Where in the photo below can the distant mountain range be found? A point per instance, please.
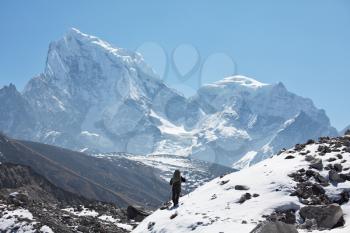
(96, 98)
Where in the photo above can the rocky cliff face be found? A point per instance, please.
(16, 114)
(98, 98)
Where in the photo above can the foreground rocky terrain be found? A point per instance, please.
(30, 203)
(302, 189)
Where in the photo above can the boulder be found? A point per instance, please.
(338, 167)
(309, 158)
(311, 194)
(136, 213)
(335, 177)
(244, 198)
(326, 216)
(299, 147)
(323, 149)
(274, 227)
(317, 164)
(241, 187)
(320, 179)
(310, 141)
(342, 198)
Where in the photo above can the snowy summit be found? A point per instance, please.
(241, 80)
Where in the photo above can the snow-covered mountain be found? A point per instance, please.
(97, 98)
(303, 189)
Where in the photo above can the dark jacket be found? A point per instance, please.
(177, 185)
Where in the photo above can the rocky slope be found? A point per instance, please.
(303, 189)
(98, 98)
(30, 203)
(121, 181)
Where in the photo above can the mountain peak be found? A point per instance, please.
(240, 80)
(74, 35)
(11, 88)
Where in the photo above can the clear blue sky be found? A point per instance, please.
(304, 44)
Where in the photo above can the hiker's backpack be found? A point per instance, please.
(176, 177)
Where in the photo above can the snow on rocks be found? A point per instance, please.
(46, 229)
(290, 195)
(82, 211)
(16, 220)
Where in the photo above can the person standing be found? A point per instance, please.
(176, 186)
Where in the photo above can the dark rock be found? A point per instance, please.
(310, 141)
(309, 224)
(317, 165)
(135, 213)
(150, 225)
(244, 198)
(317, 189)
(309, 158)
(274, 227)
(299, 147)
(324, 139)
(241, 187)
(345, 176)
(329, 166)
(281, 151)
(335, 177)
(324, 149)
(224, 182)
(332, 159)
(310, 173)
(173, 216)
(343, 198)
(256, 195)
(320, 179)
(301, 170)
(297, 176)
(244, 222)
(311, 194)
(338, 167)
(289, 157)
(283, 215)
(326, 216)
